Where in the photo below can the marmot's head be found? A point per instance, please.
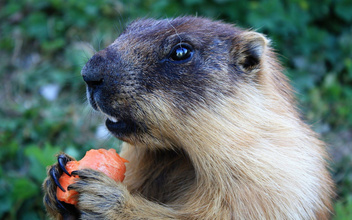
(162, 70)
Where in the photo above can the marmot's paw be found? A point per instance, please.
(98, 194)
(52, 204)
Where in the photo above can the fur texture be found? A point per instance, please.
(216, 136)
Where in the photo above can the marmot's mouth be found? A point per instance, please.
(121, 128)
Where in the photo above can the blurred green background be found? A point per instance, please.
(45, 43)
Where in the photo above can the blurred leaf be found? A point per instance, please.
(5, 196)
(24, 188)
(41, 154)
(30, 215)
(9, 151)
(53, 45)
(6, 43)
(40, 159)
(5, 205)
(343, 209)
(344, 9)
(192, 2)
(10, 9)
(36, 26)
(348, 64)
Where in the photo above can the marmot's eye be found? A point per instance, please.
(181, 52)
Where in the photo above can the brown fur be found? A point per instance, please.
(217, 137)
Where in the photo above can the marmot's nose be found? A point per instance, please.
(93, 82)
(93, 71)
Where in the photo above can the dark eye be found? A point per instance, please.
(181, 52)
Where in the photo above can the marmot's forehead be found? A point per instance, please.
(201, 27)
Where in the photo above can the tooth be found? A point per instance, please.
(113, 119)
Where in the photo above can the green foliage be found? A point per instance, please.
(44, 44)
(343, 209)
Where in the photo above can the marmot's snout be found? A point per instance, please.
(106, 92)
(95, 77)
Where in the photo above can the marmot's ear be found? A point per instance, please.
(248, 50)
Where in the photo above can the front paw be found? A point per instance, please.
(53, 206)
(99, 195)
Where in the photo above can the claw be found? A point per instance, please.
(67, 211)
(60, 205)
(62, 160)
(54, 174)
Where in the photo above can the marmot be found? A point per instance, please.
(209, 126)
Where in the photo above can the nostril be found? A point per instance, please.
(93, 82)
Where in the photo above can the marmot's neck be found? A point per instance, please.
(241, 130)
(268, 154)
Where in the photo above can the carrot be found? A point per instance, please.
(106, 161)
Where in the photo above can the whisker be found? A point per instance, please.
(168, 20)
